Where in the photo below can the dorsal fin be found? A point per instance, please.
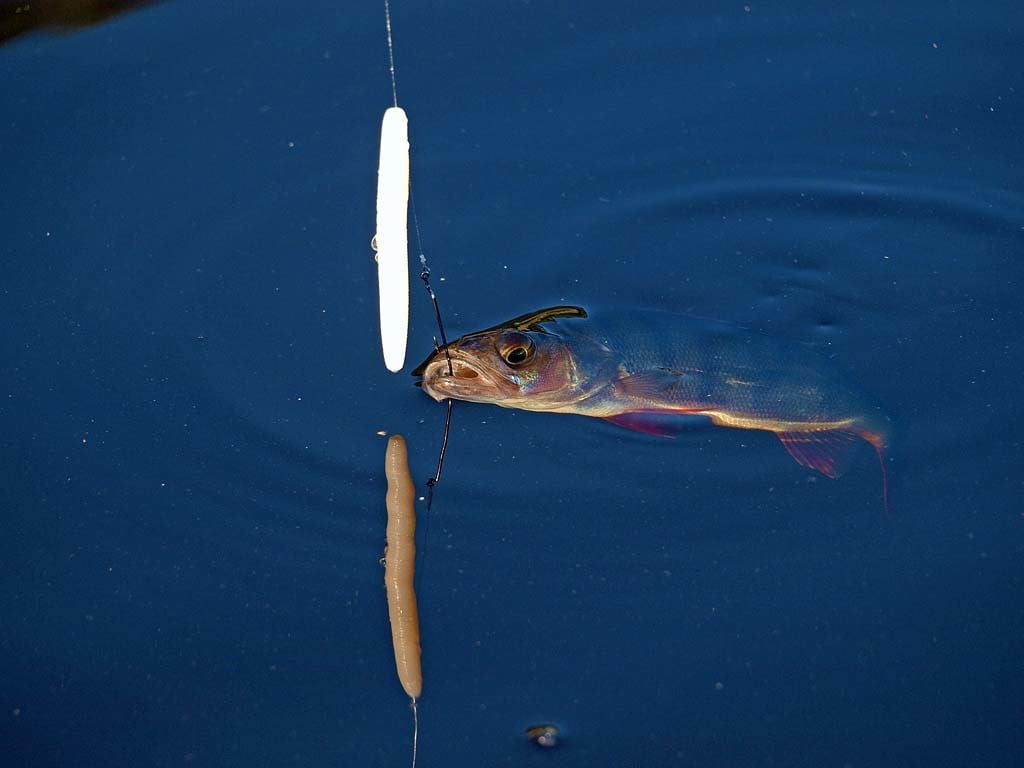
(531, 321)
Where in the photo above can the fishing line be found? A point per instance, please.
(415, 731)
(425, 277)
(415, 692)
(424, 273)
(391, 51)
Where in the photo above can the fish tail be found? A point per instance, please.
(877, 441)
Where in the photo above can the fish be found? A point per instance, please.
(655, 372)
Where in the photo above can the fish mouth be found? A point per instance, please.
(468, 379)
(420, 369)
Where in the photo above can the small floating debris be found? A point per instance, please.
(545, 735)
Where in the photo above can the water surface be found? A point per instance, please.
(193, 386)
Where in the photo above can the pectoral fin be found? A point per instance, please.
(659, 389)
(661, 402)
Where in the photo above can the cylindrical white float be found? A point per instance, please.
(392, 240)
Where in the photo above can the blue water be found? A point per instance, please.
(192, 494)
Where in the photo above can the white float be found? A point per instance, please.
(392, 239)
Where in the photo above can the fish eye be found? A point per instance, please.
(516, 355)
(517, 349)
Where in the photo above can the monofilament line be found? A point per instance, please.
(391, 51)
(425, 277)
(415, 731)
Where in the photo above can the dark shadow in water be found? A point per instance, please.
(18, 17)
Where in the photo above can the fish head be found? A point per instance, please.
(517, 364)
